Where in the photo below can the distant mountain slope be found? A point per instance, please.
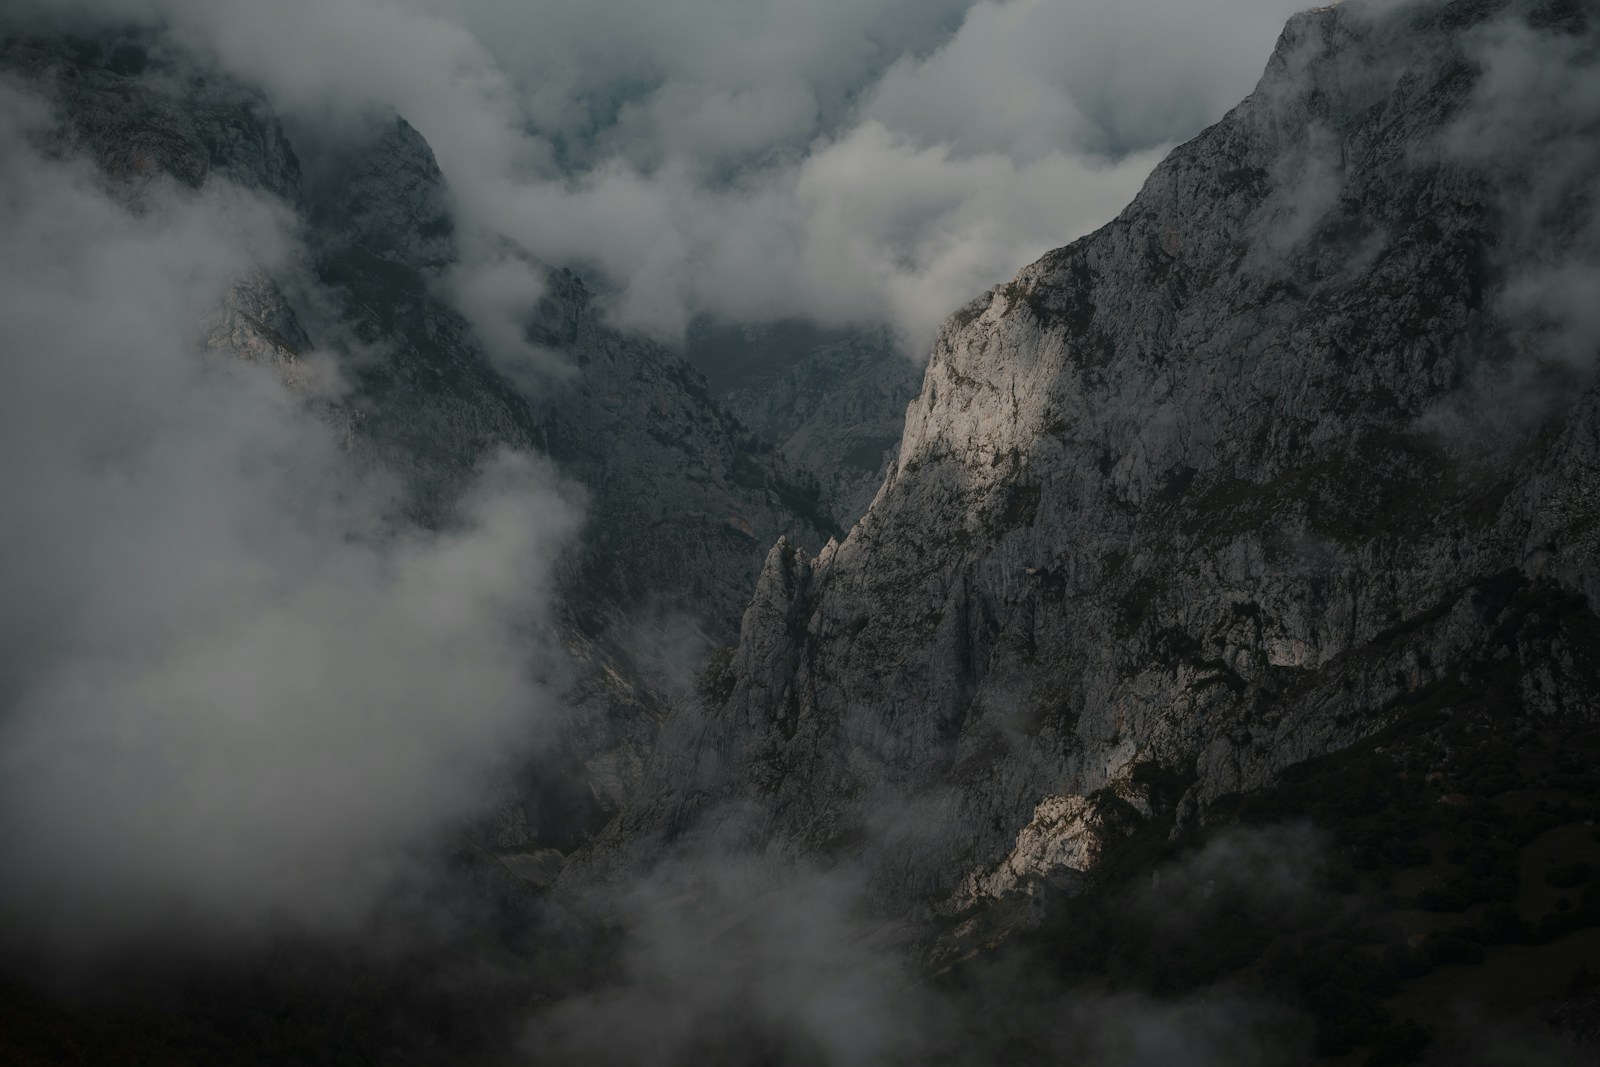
(680, 498)
(682, 533)
(833, 401)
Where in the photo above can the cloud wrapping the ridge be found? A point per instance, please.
(235, 688)
(499, 297)
(843, 162)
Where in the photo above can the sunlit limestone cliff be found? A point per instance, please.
(1304, 442)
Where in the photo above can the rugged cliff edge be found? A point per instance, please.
(1303, 440)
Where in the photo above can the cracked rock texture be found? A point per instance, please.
(387, 195)
(1306, 436)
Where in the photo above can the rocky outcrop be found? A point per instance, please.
(1297, 443)
(1062, 837)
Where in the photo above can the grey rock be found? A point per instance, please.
(255, 323)
(1226, 485)
(385, 192)
(683, 498)
(680, 498)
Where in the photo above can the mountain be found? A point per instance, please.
(1215, 631)
(1293, 458)
(679, 496)
(833, 401)
(1237, 562)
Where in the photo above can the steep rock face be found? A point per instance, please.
(682, 498)
(1301, 440)
(833, 402)
(255, 322)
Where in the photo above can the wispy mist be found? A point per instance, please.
(735, 953)
(236, 687)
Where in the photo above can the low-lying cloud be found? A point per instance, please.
(235, 688)
(1538, 102)
(736, 953)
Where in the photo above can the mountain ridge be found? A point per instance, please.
(1149, 515)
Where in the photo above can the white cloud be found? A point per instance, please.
(844, 161)
(235, 686)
